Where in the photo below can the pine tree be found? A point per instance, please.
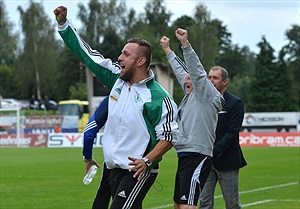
(269, 86)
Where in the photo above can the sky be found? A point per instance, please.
(247, 20)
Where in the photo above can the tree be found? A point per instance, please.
(223, 35)
(8, 40)
(289, 96)
(39, 54)
(130, 22)
(112, 45)
(100, 17)
(204, 37)
(78, 91)
(183, 22)
(269, 87)
(157, 17)
(7, 80)
(8, 53)
(290, 56)
(239, 86)
(236, 61)
(68, 73)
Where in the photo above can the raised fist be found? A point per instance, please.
(60, 14)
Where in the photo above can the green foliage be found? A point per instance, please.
(239, 86)
(112, 45)
(29, 113)
(157, 17)
(36, 63)
(290, 60)
(68, 74)
(235, 61)
(203, 37)
(271, 88)
(110, 14)
(45, 66)
(6, 81)
(178, 92)
(288, 92)
(8, 40)
(52, 178)
(78, 91)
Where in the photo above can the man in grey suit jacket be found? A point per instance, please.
(227, 155)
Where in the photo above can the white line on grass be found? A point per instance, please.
(264, 188)
(265, 201)
(245, 192)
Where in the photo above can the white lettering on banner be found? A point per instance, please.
(71, 140)
(42, 130)
(270, 139)
(251, 119)
(270, 119)
(14, 141)
(50, 121)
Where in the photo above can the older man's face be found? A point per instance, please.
(188, 84)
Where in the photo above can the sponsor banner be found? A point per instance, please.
(271, 119)
(26, 140)
(7, 121)
(39, 130)
(274, 139)
(43, 122)
(71, 140)
(69, 130)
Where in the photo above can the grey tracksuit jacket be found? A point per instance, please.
(198, 112)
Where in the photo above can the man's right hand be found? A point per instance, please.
(165, 44)
(89, 164)
(181, 35)
(61, 14)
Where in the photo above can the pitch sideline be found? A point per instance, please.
(270, 200)
(249, 191)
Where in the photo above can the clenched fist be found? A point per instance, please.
(181, 35)
(61, 14)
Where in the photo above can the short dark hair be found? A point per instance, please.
(224, 72)
(145, 48)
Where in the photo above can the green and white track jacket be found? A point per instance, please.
(139, 115)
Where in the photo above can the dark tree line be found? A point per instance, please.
(42, 65)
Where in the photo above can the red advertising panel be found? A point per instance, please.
(272, 139)
(26, 140)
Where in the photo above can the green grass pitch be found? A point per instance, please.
(51, 178)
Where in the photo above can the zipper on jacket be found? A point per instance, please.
(123, 109)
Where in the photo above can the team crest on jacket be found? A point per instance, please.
(137, 97)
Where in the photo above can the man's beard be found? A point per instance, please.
(127, 76)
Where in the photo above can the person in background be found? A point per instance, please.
(33, 103)
(91, 129)
(41, 103)
(46, 102)
(141, 124)
(197, 120)
(227, 156)
(96, 122)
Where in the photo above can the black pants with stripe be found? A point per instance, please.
(128, 192)
(103, 195)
